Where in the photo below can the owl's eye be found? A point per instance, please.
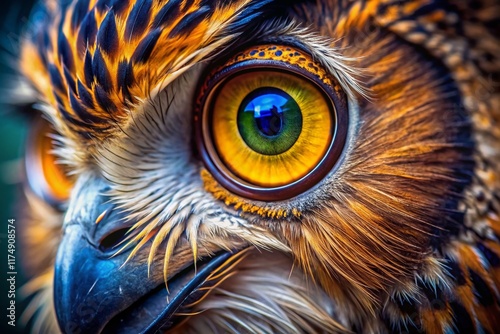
(45, 175)
(271, 123)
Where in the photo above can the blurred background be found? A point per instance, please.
(13, 131)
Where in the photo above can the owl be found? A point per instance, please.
(262, 166)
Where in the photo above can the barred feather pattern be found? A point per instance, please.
(403, 237)
(96, 60)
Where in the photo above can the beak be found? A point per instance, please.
(96, 293)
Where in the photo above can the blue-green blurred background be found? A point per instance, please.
(13, 129)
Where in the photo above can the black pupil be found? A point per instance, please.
(270, 121)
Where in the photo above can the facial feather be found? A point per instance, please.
(264, 298)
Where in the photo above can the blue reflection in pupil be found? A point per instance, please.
(268, 111)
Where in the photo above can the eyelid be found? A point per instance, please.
(266, 54)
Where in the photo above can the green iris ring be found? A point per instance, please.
(278, 132)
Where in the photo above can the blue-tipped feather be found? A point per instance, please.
(169, 12)
(107, 37)
(138, 19)
(87, 33)
(101, 72)
(189, 22)
(146, 46)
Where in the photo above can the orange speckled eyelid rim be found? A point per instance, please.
(282, 58)
(287, 54)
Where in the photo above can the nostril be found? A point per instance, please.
(113, 239)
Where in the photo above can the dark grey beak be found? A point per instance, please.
(89, 288)
(96, 293)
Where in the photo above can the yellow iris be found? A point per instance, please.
(304, 144)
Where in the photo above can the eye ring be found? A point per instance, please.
(204, 134)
